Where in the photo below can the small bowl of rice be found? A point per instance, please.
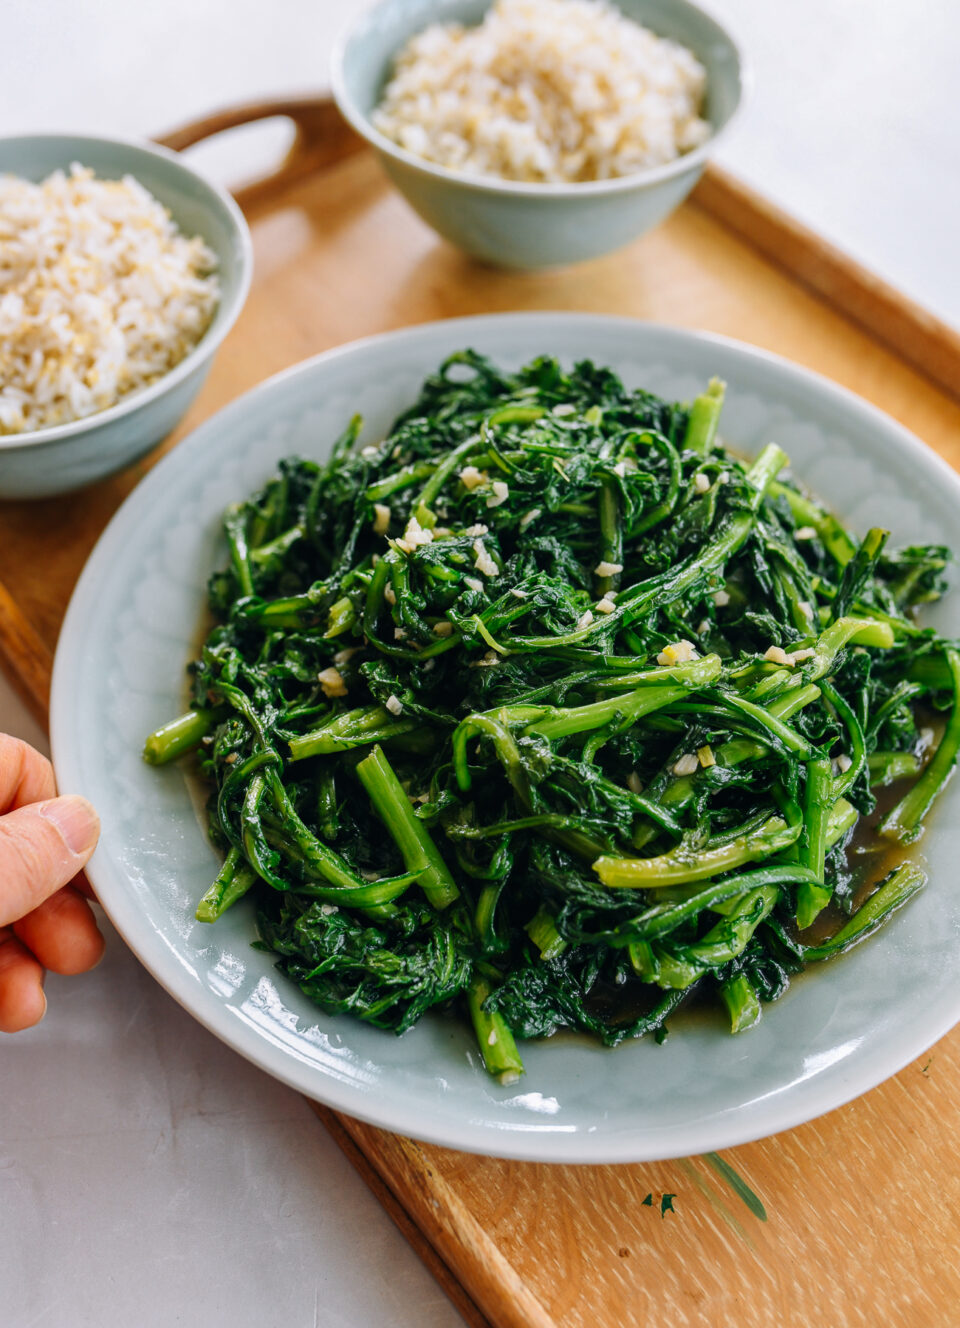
(121, 272)
(535, 133)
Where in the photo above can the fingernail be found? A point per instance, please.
(76, 820)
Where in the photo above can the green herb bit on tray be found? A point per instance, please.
(550, 708)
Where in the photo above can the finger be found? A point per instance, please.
(62, 933)
(25, 775)
(81, 883)
(42, 847)
(22, 1002)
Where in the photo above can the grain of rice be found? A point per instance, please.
(545, 91)
(100, 295)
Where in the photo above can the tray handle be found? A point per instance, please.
(322, 137)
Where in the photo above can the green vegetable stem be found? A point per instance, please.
(547, 710)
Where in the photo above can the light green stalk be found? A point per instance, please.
(410, 835)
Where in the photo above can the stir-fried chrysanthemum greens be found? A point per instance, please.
(550, 705)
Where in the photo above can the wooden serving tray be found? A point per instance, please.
(852, 1219)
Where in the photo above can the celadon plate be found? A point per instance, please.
(131, 628)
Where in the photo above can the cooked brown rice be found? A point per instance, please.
(100, 294)
(545, 91)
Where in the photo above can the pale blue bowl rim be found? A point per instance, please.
(493, 184)
(228, 310)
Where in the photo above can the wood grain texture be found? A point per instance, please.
(863, 1205)
(26, 660)
(400, 1214)
(915, 334)
(422, 1193)
(863, 1217)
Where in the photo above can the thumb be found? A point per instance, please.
(42, 847)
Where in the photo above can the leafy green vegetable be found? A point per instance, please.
(549, 707)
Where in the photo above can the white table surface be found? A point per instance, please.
(148, 1175)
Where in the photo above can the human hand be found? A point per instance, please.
(45, 923)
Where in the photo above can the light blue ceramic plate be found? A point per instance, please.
(119, 672)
